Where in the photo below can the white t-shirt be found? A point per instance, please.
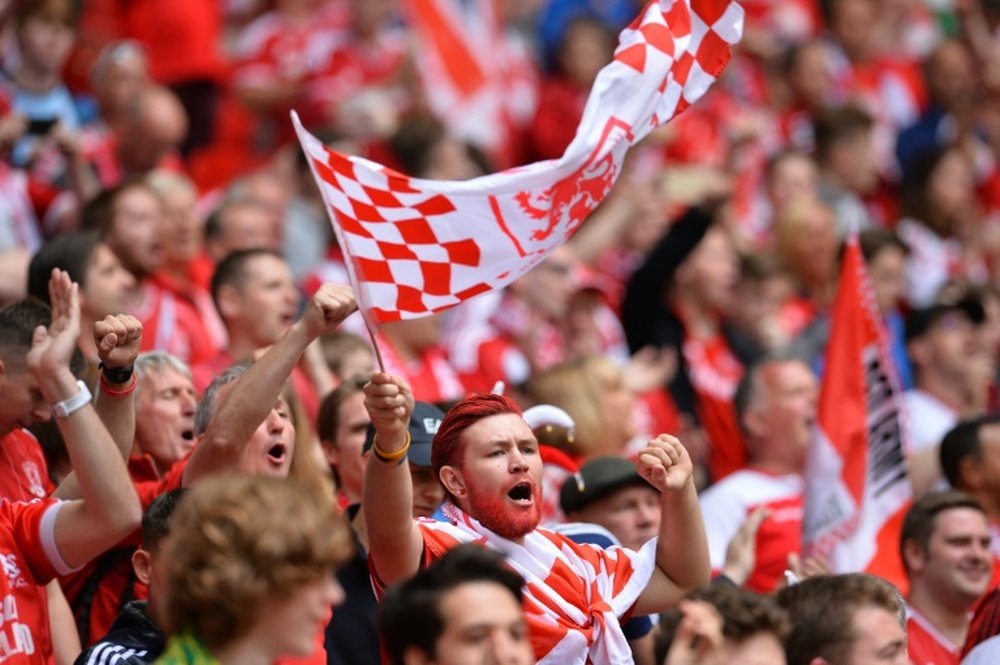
(986, 652)
(927, 419)
(726, 505)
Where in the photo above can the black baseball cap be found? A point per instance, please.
(596, 479)
(920, 321)
(424, 425)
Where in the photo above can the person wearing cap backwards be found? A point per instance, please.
(352, 634)
(486, 457)
(940, 343)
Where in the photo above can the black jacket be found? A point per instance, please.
(133, 640)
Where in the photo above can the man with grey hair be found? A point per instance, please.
(165, 403)
(776, 406)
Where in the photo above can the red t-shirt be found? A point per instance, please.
(24, 476)
(925, 643)
(171, 324)
(30, 560)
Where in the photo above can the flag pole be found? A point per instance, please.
(378, 352)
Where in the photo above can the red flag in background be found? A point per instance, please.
(414, 247)
(477, 80)
(857, 490)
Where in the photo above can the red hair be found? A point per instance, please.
(445, 450)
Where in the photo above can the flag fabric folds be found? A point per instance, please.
(857, 489)
(415, 247)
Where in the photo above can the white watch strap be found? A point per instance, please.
(71, 405)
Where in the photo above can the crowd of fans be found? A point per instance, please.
(163, 242)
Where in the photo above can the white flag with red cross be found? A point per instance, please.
(414, 247)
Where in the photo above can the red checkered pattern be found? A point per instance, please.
(574, 594)
(415, 247)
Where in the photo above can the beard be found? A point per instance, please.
(496, 513)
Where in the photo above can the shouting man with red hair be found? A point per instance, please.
(486, 457)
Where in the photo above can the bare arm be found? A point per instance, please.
(117, 339)
(254, 394)
(62, 625)
(394, 540)
(109, 509)
(682, 562)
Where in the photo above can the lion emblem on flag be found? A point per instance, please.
(567, 202)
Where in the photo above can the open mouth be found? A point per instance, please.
(521, 494)
(188, 435)
(276, 453)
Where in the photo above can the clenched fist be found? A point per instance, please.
(117, 339)
(389, 402)
(328, 308)
(665, 464)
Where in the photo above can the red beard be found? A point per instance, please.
(496, 513)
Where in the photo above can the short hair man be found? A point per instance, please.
(137, 636)
(486, 457)
(939, 340)
(341, 426)
(968, 453)
(776, 404)
(945, 549)
(845, 151)
(129, 218)
(257, 301)
(465, 608)
(844, 620)
(239, 225)
(752, 628)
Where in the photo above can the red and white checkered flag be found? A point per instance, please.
(415, 247)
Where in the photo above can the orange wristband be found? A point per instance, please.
(124, 392)
(389, 458)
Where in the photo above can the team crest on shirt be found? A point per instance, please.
(13, 571)
(34, 476)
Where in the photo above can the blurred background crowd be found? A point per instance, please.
(147, 150)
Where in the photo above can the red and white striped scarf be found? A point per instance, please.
(574, 594)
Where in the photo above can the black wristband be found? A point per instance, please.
(116, 374)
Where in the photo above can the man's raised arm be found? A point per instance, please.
(117, 339)
(394, 540)
(254, 394)
(682, 562)
(109, 509)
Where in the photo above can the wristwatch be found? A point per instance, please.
(71, 405)
(116, 374)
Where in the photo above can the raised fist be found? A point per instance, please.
(117, 339)
(389, 402)
(665, 464)
(328, 308)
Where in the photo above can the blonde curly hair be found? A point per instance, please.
(237, 543)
